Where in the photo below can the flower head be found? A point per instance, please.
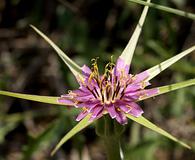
(115, 92)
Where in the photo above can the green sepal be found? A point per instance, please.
(80, 126)
(42, 99)
(143, 121)
(129, 50)
(171, 87)
(154, 71)
(76, 70)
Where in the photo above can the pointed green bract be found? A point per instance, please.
(176, 86)
(166, 9)
(129, 50)
(143, 121)
(81, 125)
(154, 71)
(171, 87)
(43, 99)
(76, 70)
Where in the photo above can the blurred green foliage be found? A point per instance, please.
(85, 29)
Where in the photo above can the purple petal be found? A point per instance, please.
(82, 91)
(141, 77)
(132, 88)
(125, 108)
(151, 92)
(88, 104)
(136, 110)
(142, 93)
(83, 98)
(135, 95)
(86, 70)
(121, 66)
(111, 110)
(65, 101)
(131, 97)
(91, 83)
(121, 118)
(99, 115)
(96, 111)
(81, 115)
(147, 83)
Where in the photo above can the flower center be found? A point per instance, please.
(107, 87)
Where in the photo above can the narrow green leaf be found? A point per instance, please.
(143, 121)
(129, 50)
(76, 70)
(172, 87)
(166, 9)
(81, 125)
(43, 99)
(154, 71)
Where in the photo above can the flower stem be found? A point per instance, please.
(112, 148)
(110, 131)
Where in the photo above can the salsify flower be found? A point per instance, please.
(115, 92)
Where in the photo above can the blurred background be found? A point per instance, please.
(85, 29)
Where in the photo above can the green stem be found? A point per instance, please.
(110, 131)
(112, 148)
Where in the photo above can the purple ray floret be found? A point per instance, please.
(115, 92)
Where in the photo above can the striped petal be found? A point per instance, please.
(136, 110)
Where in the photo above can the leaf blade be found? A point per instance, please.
(143, 121)
(81, 125)
(166, 9)
(154, 71)
(42, 99)
(76, 70)
(129, 50)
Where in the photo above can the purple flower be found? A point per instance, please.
(115, 92)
